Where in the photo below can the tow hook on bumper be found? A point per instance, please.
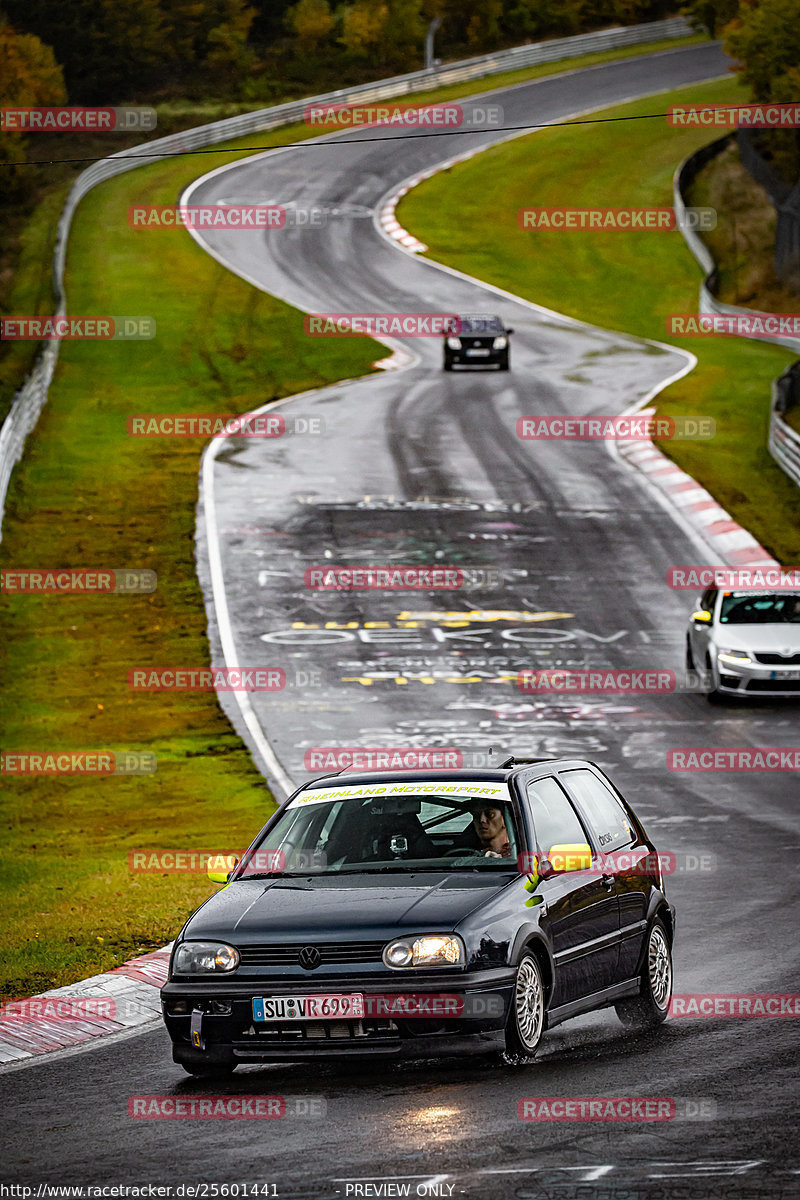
(196, 1030)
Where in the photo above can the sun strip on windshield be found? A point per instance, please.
(479, 789)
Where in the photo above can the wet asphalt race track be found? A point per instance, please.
(421, 467)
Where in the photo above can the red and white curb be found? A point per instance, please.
(734, 545)
(397, 360)
(390, 224)
(114, 1002)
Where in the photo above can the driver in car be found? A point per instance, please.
(490, 827)
(487, 834)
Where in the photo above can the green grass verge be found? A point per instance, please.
(619, 281)
(87, 495)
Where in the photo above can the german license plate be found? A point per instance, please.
(478, 353)
(784, 675)
(308, 1008)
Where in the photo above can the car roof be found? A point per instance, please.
(487, 318)
(479, 774)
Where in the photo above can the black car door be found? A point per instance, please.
(613, 836)
(579, 910)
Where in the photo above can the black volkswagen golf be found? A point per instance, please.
(404, 913)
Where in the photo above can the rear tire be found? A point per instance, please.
(650, 1008)
(525, 1022)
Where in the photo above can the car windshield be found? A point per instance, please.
(389, 827)
(480, 324)
(742, 608)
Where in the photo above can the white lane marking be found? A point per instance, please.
(227, 640)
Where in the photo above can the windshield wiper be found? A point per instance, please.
(444, 868)
(369, 870)
(275, 875)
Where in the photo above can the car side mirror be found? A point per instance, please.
(701, 616)
(221, 867)
(509, 331)
(574, 856)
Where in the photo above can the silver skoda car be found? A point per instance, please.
(746, 643)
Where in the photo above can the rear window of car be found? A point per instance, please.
(555, 822)
(602, 809)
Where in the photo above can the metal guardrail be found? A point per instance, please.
(783, 443)
(32, 396)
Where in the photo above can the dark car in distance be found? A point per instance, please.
(404, 913)
(477, 341)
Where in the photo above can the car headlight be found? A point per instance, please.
(500, 343)
(453, 343)
(739, 658)
(428, 950)
(203, 958)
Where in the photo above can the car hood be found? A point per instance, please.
(361, 907)
(772, 638)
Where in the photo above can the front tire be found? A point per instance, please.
(526, 1018)
(650, 1008)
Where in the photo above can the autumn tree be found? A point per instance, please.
(311, 21)
(710, 15)
(403, 35)
(104, 47)
(29, 75)
(483, 29)
(226, 48)
(362, 26)
(534, 19)
(764, 39)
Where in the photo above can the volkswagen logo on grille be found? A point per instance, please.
(310, 957)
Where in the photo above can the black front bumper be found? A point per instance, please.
(227, 1037)
(460, 358)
